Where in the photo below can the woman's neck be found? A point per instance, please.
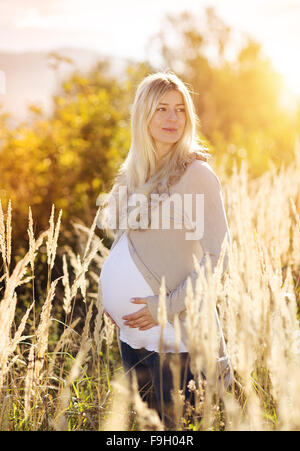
(162, 149)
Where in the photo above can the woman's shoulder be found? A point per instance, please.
(201, 172)
(200, 166)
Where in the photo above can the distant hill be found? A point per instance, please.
(30, 79)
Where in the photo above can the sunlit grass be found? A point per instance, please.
(65, 373)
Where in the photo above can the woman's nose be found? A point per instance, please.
(172, 116)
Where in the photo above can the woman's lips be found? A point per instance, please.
(170, 130)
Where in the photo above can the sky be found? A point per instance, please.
(123, 27)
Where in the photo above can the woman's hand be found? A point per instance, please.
(141, 319)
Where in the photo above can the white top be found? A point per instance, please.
(120, 281)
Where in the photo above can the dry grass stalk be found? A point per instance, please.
(53, 233)
(109, 330)
(148, 419)
(118, 417)
(18, 335)
(7, 311)
(162, 312)
(81, 266)
(99, 331)
(294, 259)
(91, 234)
(60, 423)
(31, 240)
(42, 332)
(69, 330)
(67, 300)
(8, 234)
(5, 233)
(2, 237)
(37, 353)
(177, 397)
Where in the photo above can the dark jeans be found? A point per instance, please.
(155, 380)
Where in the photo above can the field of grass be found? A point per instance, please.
(60, 367)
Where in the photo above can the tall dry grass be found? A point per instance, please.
(74, 380)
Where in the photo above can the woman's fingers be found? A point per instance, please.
(139, 322)
(138, 301)
(139, 313)
(142, 323)
(136, 315)
(141, 319)
(148, 326)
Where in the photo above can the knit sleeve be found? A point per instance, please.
(202, 180)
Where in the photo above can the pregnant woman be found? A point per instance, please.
(165, 165)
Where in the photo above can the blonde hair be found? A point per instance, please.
(142, 171)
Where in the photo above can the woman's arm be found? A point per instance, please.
(203, 181)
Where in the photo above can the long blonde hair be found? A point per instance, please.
(142, 171)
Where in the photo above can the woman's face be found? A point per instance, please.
(168, 121)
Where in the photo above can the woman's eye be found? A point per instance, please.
(179, 110)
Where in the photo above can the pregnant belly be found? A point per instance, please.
(120, 281)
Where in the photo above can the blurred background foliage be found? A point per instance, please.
(71, 157)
